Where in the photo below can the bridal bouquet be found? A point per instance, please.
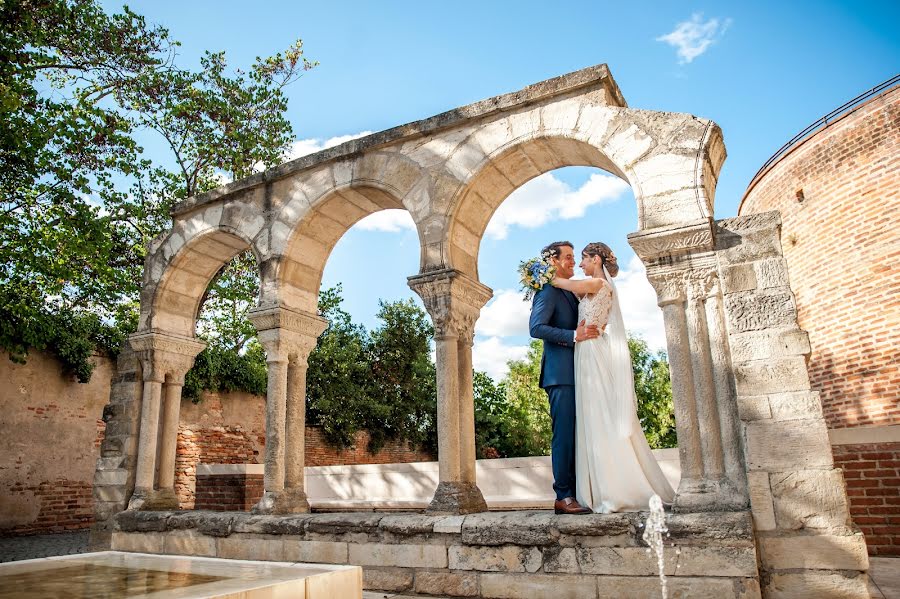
(534, 274)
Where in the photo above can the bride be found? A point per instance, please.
(614, 468)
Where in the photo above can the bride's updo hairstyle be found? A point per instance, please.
(598, 248)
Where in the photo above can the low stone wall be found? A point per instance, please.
(507, 483)
(490, 555)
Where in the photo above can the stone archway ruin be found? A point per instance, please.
(745, 418)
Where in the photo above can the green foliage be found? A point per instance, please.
(219, 369)
(653, 388)
(382, 382)
(513, 418)
(79, 202)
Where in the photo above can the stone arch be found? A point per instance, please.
(185, 272)
(508, 169)
(671, 161)
(298, 276)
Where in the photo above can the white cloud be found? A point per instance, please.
(391, 221)
(638, 301)
(546, 198)
(491, 355)
(694, 37)
(506, 315)
(302, 147)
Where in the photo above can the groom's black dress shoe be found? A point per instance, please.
(569, 506)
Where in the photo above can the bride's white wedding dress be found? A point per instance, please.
(614, 468)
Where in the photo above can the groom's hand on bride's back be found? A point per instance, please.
(586, 331)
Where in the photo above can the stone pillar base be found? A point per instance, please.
(457, 498)
(289, 501)
(153, 501)
(709, 496)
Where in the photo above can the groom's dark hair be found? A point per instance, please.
(552, 250)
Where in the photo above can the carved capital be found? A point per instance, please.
(653, 244)
(164, 355)
(670, 287)
(453, 301)
(287, 334)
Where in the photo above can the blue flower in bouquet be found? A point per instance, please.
(534, 274)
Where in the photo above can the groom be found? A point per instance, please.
(554, 319)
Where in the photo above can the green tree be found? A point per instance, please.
(527, 414)
(338, 378)
(80, 202)
(403, 397)
(653, 389)
(64, 141)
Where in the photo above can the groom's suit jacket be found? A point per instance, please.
(554, 317)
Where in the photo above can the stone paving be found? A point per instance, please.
(884, 577)
(13, 549)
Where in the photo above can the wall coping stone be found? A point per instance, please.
(865, 435)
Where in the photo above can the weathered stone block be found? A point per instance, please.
(110, 477)
(796, 406)
(748, 238)
(509, 558)
(817, 585)
(758, 310)
(772, 376)
(809, 499)
(138, 542)
(514, 586)
(779, 446)
(114, 494)
(761, 502)
(454, 584)
(561, 559)
(408, 556)
(754, 407)
(716, 561)
(316, 552)
(740, 277)
(647, 587)
(448, 524)
(408, 524)
(625, 561)
(814, 552)
(387, 579)
(334, 524)
(188, 542)
(707, 529)
(251, 547)
(771, 273)
(519, 528)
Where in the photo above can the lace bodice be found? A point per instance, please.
(594, 309)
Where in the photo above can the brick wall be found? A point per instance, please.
(872, 472)
(840, 243)
(50, 436)
(228, 492)
(839, 198)
(229, 428)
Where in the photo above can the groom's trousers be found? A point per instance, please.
(562, 447)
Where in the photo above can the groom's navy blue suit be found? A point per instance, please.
(554, 318)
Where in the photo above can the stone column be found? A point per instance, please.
(169, 437)
(454, 302)
(683, 268)
(164, 359)
(288, 337)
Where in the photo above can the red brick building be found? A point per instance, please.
(838, 192)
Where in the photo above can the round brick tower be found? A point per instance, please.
(837, 187)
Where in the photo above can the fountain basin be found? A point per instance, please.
(140, 575)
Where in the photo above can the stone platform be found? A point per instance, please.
(490, 555)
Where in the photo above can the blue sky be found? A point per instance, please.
(761, 70)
